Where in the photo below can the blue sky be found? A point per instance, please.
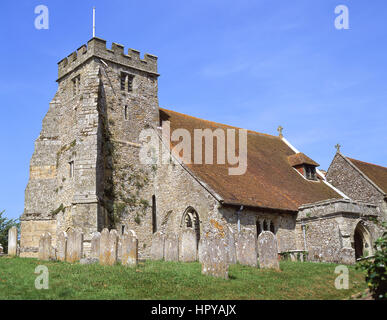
(252, 64)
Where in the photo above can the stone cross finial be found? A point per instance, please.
(280, 131)
(337, 146)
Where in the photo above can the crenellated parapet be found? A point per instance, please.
(96, 47)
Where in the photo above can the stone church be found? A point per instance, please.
(85, 172)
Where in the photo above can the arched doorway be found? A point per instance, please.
(362, 241)
(191, 219)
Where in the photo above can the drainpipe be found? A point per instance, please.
(239, 219)
(304, 233)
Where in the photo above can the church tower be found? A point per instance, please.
(85, 171)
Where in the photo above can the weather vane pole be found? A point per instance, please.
(93, 22)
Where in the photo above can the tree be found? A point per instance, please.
(5, 225)
(376, 270)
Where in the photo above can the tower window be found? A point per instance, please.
(126, 112)
(71, 169)
(126, 82)
(76, 85)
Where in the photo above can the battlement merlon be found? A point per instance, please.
(96, 47)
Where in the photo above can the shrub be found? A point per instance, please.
(376, 272)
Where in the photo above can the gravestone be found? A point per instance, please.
(12, 241)
(129, 246)
(231, 248)
(74, 250)
(45, 246)
(214, 257)
(171, 249)
(1, 249)
(157, 248)
(61, 246)
(347, 256)
(246, 248)
(108, 247)
(268, 250)
(188, 246)
(95, 245)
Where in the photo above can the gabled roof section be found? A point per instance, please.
(377, 174)
(300, 159)
(269, 182)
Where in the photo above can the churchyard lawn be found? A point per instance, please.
(173, 280)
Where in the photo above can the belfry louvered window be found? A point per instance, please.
(126, 82)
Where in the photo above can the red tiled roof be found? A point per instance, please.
(269, 182)
(377, 174)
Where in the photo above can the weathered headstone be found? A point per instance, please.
(347, 256)
(188, 246)
(268, 250)
(171, 249)
(231, 248)
(108, 247)
(45, 246)
(129, 245)
(157, 248)
(74, 250)
(214, 257)
(61, 246)
(1, 249)
(246, 248)
(95, 245)
(12, 241)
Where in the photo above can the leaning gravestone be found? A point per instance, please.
(108, 247)
(268, 250)
(157, 248)
(45, 246)
(74, 250)
(61, 246)
(12, 241)
(188, 246)
(246, 248)
(171, 249)
(214, 257)
(347, 256)
(129, 247)
(95, 245)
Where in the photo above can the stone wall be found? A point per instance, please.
(330, 226)
(346, 178)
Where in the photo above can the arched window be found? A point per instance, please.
(191, 219)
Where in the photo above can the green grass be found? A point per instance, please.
(173, 280)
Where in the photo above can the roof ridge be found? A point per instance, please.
(223, 124)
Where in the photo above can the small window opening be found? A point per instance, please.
(122, 229)
(154, 222)
(310, 172)
(76, 85)
(71, 169)
(126, 112)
